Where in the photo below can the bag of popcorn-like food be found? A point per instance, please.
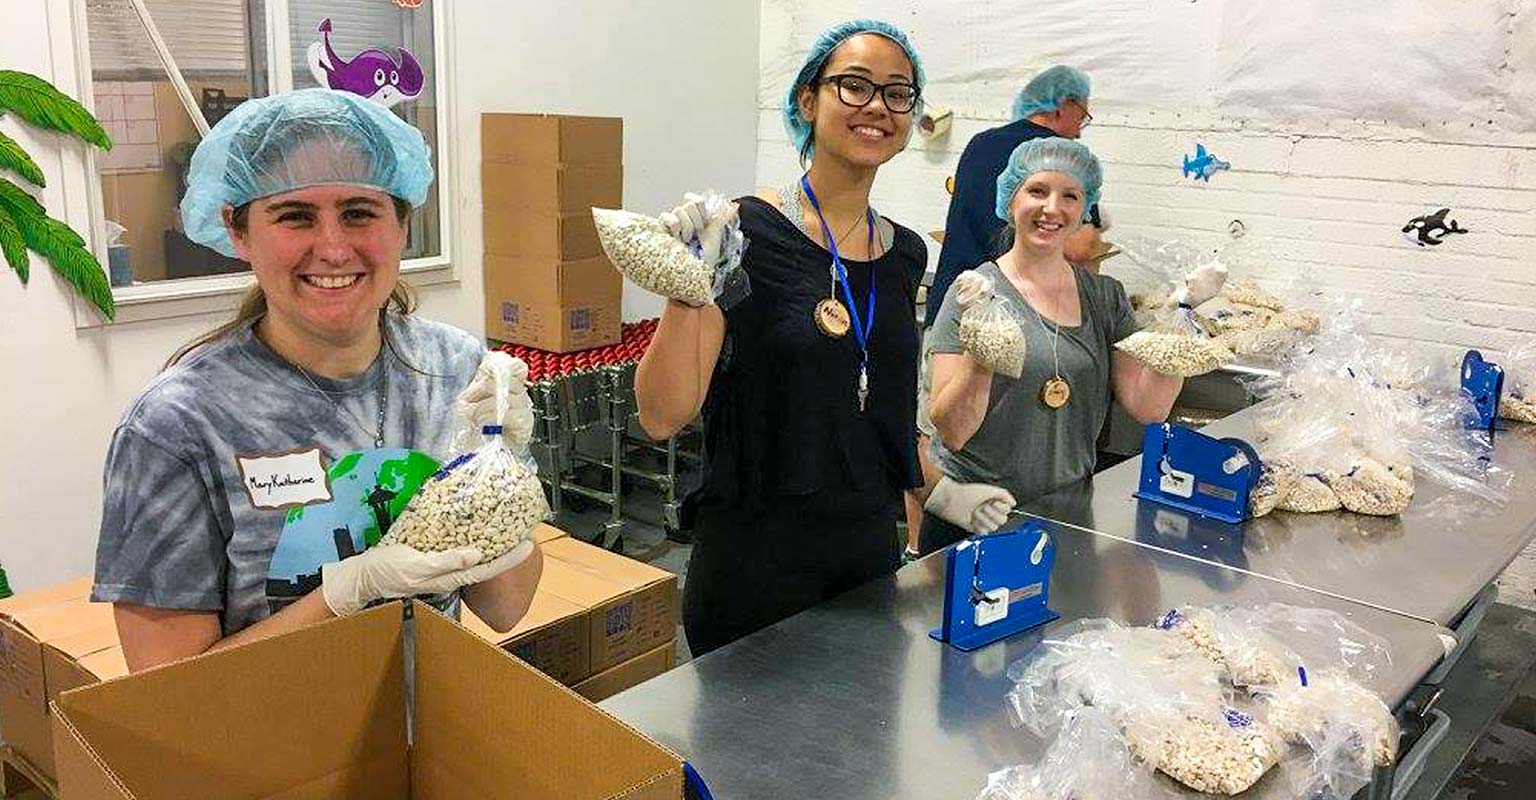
(646, 252)
(489, 496)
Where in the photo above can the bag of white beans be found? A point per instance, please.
(489, 496)
(646, 252)
(1175, 354)
(989, 330)
(1518, 403)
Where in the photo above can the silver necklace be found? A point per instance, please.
(377, 434)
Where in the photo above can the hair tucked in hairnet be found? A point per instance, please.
(800, 129)
(311, 137)
(1051, 154)
(1048, 90)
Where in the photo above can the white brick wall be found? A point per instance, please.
(1328, 196)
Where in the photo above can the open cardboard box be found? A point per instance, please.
(322, 713)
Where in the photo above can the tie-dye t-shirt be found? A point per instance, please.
(232, 478)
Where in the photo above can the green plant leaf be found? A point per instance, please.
(36, 101)
(64, 249)
(14, 245)
(12, 157)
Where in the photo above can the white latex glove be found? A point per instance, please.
(390, 571)
(696, 219)
(976, 507)
(971, 287)
(498, 395)
(1202, 283)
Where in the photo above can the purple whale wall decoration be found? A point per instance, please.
(373, 73)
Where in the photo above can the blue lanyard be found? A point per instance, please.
(862, 327)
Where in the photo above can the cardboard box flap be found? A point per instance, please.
(545, 532)
(557, 138)
(83, 643)
(77, 589)
(613, 567)
(50, 622)
(543, 743)
(336, 689)
(582, 587)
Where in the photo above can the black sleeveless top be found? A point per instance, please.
(782, 421)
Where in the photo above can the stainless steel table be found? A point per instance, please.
(1429, 563)
(852, 699)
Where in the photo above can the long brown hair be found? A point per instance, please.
(402, 299)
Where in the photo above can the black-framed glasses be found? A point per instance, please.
(1087, 117)
(858, 91)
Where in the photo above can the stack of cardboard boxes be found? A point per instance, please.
(50, 641)
(547, 283)
(599, 623)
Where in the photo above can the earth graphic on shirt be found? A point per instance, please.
(368, 491)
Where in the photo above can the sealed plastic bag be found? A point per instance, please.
(1519, 401)
(989, 330)
(1176, 354)
(1088, 760)
(489, 494)
(707, 269)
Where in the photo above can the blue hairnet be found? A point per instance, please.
(309, 137)
(798, 128)
(1046, 91)
(1051, 154)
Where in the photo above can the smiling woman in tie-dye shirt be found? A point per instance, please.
(245, 486)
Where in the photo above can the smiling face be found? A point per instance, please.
(326, 257)
(1047, 208)
(867, 136)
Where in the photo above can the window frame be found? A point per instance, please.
(221, 293)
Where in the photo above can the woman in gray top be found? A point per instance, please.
(248, 486)
(1004, 439)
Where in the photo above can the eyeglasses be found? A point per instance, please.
(858, 91)
(1087, 117)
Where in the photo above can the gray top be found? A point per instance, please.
(1430, 562)
(190, 516)
(852, 700)
(1023, 445)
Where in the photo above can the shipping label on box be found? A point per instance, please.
(558, 306)
(641, 613)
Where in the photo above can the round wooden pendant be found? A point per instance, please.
(832, 318)
(1055, 393)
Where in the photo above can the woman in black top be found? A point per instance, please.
(808, 405)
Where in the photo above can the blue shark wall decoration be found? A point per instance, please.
(1204, 165)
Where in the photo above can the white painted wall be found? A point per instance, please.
(1342, 121)
(643, 61)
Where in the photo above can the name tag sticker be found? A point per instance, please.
(285, 480)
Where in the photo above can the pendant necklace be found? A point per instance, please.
(1056, 392)
(836, 319)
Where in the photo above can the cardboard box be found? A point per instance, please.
(561, 306)
(552, 637)
(29, 622)
(541, 235)
(544, 532)
(547, 187)
(633, 672)
(634, 605)
(321, 713)
(551, 138)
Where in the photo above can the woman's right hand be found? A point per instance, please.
(386, 572)
(694, 219)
